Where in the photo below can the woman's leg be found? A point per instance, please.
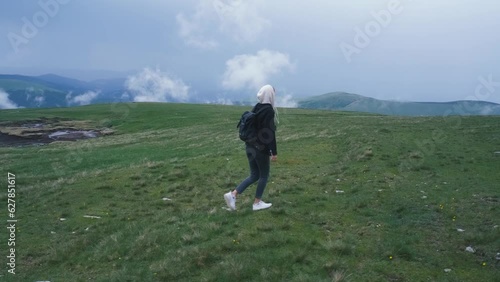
(263, 163)
(252, 155)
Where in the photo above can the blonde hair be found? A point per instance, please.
(266, 95)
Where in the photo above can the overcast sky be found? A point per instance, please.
(420, 50)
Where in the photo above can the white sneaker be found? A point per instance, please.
(230, 200)
(261, 205)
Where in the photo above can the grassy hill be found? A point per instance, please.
(356, 197)
(357, 103)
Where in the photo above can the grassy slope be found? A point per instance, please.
(190, 154)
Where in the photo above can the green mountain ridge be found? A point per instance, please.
(343, 101)
(50, 90)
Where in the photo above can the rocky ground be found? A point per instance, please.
(43, 131)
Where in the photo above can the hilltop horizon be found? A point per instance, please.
(484, 88)
(54, 90)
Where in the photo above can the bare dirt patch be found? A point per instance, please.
(47, 130)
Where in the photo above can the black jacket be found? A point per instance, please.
(266, 127)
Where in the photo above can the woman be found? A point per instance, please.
(259, 155)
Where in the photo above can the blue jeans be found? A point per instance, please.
(259, 171)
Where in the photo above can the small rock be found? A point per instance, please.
(338, 179)
(498, 256)
(107, 131)
(167, 199)
(447, 270)
(460, 230)
(52, 232)
(470, 249)
(424, 197)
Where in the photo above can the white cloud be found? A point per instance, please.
(155, 86)
(35, 94)
(238, 19)
(39, 100)
(125, 96)
(83, 99)
(241, 19)
(286, 101)
(254, 71)
(223, 101)
(5, 102)
(489, 109)
(192, 31)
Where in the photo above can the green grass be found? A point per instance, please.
(408, 184)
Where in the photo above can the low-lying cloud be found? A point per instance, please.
(82, 99)
(5, 102)
(286, 101)
(39, 100)
(282, 101)
(254, 71)
(35, 95)
(154, 86)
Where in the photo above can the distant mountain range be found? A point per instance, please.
(51, 90)
(342, 101)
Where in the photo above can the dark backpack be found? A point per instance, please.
(248, 127)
